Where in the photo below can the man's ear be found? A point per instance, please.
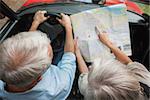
(50, 54)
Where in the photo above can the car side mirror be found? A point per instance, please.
(146, 17)
(99, 1)
(2, 16)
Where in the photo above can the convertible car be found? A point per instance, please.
(21, 21)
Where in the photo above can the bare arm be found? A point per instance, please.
(81, 63)
(34, 26)
(121, 56)
(37, 20)
(69, 43)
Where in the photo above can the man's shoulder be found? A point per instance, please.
(1, 88)
(1, 85)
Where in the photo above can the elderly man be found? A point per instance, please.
(26, 72)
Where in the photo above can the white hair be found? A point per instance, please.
(24, 57)
(140, 72)
(112, 81)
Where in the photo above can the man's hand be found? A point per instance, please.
(38, 19)
(65, 21)
(69, 43)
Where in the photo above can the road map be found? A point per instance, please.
(111, 19)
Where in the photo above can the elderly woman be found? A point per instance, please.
(26, 71)
(112, 79)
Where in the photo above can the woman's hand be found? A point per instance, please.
(103, 37)
(81, 63)
(121, 56)
(77, 50)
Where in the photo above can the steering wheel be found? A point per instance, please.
(56, 32)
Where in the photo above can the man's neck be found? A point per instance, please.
(13, 88)
(16, 89)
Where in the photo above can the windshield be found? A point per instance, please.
(16, 4)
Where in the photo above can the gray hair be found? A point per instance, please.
(140, 72)
(24, 57)
(112, 81)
